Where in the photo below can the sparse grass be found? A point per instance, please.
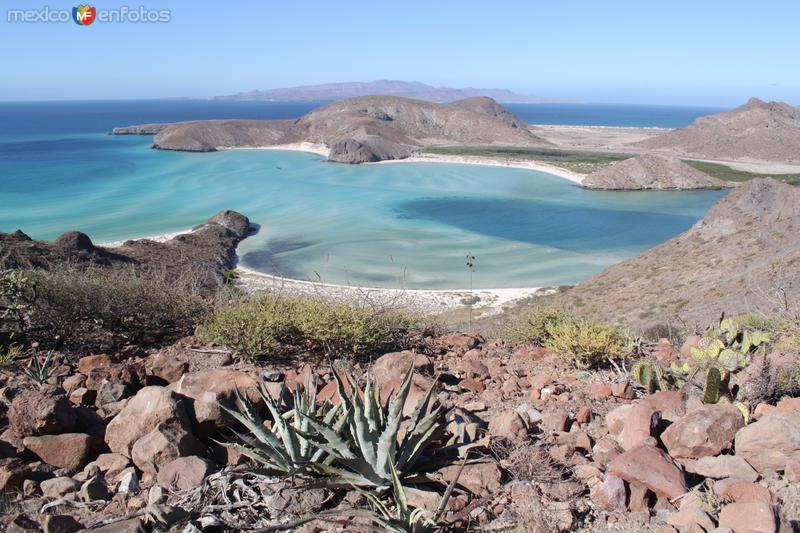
(577, 161)
(264, 324)
(727, 173)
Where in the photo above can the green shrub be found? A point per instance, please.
(259, 325)
(75, 306)
(584, 343)
(532, 325)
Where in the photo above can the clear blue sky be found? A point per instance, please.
(704, 52)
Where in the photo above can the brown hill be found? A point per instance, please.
(744, 255)
(370, 128)
(768, 131)
(650, 172)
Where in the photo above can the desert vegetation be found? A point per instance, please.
(727, 173)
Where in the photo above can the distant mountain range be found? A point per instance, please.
(406, 89)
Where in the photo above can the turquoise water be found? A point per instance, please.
(372, 225)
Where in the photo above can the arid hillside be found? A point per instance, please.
(650, 172)
(744, 255)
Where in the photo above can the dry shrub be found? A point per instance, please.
(527, 462)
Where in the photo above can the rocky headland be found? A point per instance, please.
(651, 172)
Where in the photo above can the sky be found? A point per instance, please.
(709, 52)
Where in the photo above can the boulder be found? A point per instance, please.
(610, 494)
(57, 487)
(69, 451)
(615, 419)
(480, 477)
(184, 473)
(640, 424)
(235, 222)
(150, 407)
(649, 467)
(691, 518)
(164, 365)
(753, 517)
(703, 432)
(207, 390)
(419, 387)
(508, 425)
(46, 411)
(472, 364)
(740, 491)
(771, 442)
(669, 403)
(166, 442)
(393, 365)
(458, 342)
(61, 523)
(110, 465)
(91, 362)
(724, 466)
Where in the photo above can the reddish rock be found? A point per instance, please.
(615, 419)
(69, 451)
(669, 403)
(419, 387)
(91, 362)
(396, 364)
(184, 473)
(690, 342)
(540, 380)
(472, 385)
(599, 390)
(13, 473)
(61, 523)
(584, 415)
(207, 390)
(763, 409)
(472, 364)
(771, 442)
(754, 517)
(75, 381)
(622, 390)
(111, 465)
(640, 424)
(724, 466)
(507, 425)
(482, 477)
(166, 366)
(83, 396)
(458, 342)
(166, 442)
(46, 411)
(150, 407)
(792, 471)
(741, 491)
(605, 450)
(789, 404)
(57, 487)
(665, 352)
(553, 421)
(704, 432)
(329, 393)
(691, 518)
(649, 467)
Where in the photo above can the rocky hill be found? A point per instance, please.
(209, 251)
(768, 131)
(651, 172)
(404, 89)
(744, 255)
(367, 129)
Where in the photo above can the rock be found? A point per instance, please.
(650, 171)
(555, 421)
(639, 425)
(111, 392)
(299, 501)
(184, 473)
(129, 482)
(156, 494)
(479, 477)
(599, 390)
(691, 519)
(69, 451)
(649, 467)
(610, 494)
(22, 523)
(166, 442)
(423, 499)
(740, 491)
(725, 466)
(74, 240)
(83, 396)
(669, 403)
(704, 432)
(472, 385)
(419, 387)
(57, 487)
(395, 365)
(13, 473)
(472, 365)
(792, 471)
(605, 450)
(94, 489)
(61, 523)
(91, 362)
(622, 390)
(507, 425)
(458, 342)
(164, 365)
(235, 222)
(150, 407)
(754, 517)
(208, 389)
(109, 464)
(788, 404)
(46, 411)
(615, 419)
(771, 442)
(584, 415)
(75, 381)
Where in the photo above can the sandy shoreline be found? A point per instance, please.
(490, 162)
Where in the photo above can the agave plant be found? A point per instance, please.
(370, 447)
(41, 370)
(285, 448)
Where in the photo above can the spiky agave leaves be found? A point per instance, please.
(286, 448)
(370, 453)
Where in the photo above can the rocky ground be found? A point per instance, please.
(136, 440)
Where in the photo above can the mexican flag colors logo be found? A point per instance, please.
(83, 15)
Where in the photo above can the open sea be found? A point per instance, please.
(388, 225)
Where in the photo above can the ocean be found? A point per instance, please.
(389, 225)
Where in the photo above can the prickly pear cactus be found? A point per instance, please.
(711, 388)
(744, 410)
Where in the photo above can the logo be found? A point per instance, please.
(83, 15)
